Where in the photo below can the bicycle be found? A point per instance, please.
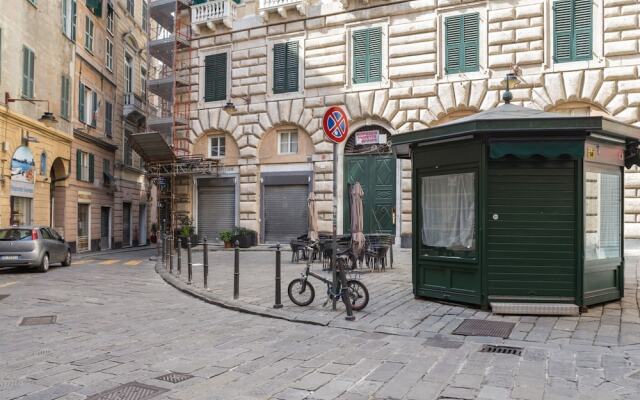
(302, 293)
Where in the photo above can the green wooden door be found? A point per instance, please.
(531, 230)
(377, 175)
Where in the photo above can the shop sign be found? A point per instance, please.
(23, 170)
(370, 137)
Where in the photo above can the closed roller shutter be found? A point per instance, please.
(216, 210)
(285, 212)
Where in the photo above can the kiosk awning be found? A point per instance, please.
(546, 149)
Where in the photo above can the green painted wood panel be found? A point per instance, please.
(377, 175)
(531, 246)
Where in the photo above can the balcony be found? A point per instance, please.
(134, 108)
(212, 12)
(281, 7)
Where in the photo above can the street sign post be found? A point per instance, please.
(336, 126)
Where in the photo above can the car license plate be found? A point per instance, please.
(10, 257)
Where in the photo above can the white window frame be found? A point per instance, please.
(285, 39)
(217, 139)
(88, 33)
(145, 18)
(110, 19)
(84, 166)
(597, 42)
(128, 69)
(289, 142)
(202, 54)
(109, 54)
(483, 45)
(384, 82)
(131, 11)
(88, 105)
(67, 18)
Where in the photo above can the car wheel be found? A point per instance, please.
(44, 266)
(67, 260)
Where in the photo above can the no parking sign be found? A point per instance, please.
(335, 124)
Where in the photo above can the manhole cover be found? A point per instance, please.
(481, 327)
(175, 377)
(44, 320)
(489, 348)
(129, 391)
(3, 296)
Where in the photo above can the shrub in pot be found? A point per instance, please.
(227, 238)
(244, 236)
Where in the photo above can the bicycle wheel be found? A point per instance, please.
(301, 292)
(358, 294)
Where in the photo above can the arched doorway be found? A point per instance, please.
(57, 174)
(368, 159)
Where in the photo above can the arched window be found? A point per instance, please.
(43, 164)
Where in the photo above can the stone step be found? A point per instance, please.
(535, 308)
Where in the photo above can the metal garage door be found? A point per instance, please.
(285, 212)
(216, 209)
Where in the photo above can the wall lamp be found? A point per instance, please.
(507, 96)
(47, 117)
(231, 109)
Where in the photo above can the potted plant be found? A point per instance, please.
(154, 233)
(187, 232)
(244, 236)
(227, 238)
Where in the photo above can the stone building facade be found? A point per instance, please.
(414, 88)
(35, 61)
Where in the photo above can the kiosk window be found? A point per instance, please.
(603, 233)
(449, 215)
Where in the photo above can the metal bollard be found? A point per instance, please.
(205, 262)
(189, 262)
(162, 239)
(179, 256)
(173, 245)
(278, 303)
(236, 271)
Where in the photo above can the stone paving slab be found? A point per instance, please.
(393, 310)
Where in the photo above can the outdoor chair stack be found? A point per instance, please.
(377, 248)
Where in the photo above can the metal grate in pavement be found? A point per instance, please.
(174, 377)
(481, 327)
(43, 320)
(3, 296)
(489, 348)
(129, 391)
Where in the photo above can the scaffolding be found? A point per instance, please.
(166, 145)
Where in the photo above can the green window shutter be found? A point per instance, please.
(78, 165)
(215, 77)
(292, 67)
(91, 167)
(583, 30)
(562, 27)
(81, 98)
(95, 6)
(64, 106)
(471, 42)
(65, 16)
(25, 72)
(374, 66)
(360, 56)
(279, 67)
(94, 108)
(73, 19)
(453, 44)
(108, 119)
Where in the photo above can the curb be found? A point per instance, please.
(80, 256)
(230, 305)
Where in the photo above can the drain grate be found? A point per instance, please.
(481, 327)
(3, 296)
(490, 348)
(44, 320)
(129, 391)
(174, 377)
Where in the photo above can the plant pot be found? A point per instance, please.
(228, 245)
(153, 239)
(244, 241)
(194, 241)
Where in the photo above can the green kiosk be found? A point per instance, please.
(519, 210)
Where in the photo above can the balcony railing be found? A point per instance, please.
(134, 106)
(211, 12)
(281, 6)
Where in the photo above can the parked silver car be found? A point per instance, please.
(33, 246)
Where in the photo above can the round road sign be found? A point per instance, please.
(335, 124)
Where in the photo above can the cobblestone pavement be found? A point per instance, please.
(394, 310)
(118, 322)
